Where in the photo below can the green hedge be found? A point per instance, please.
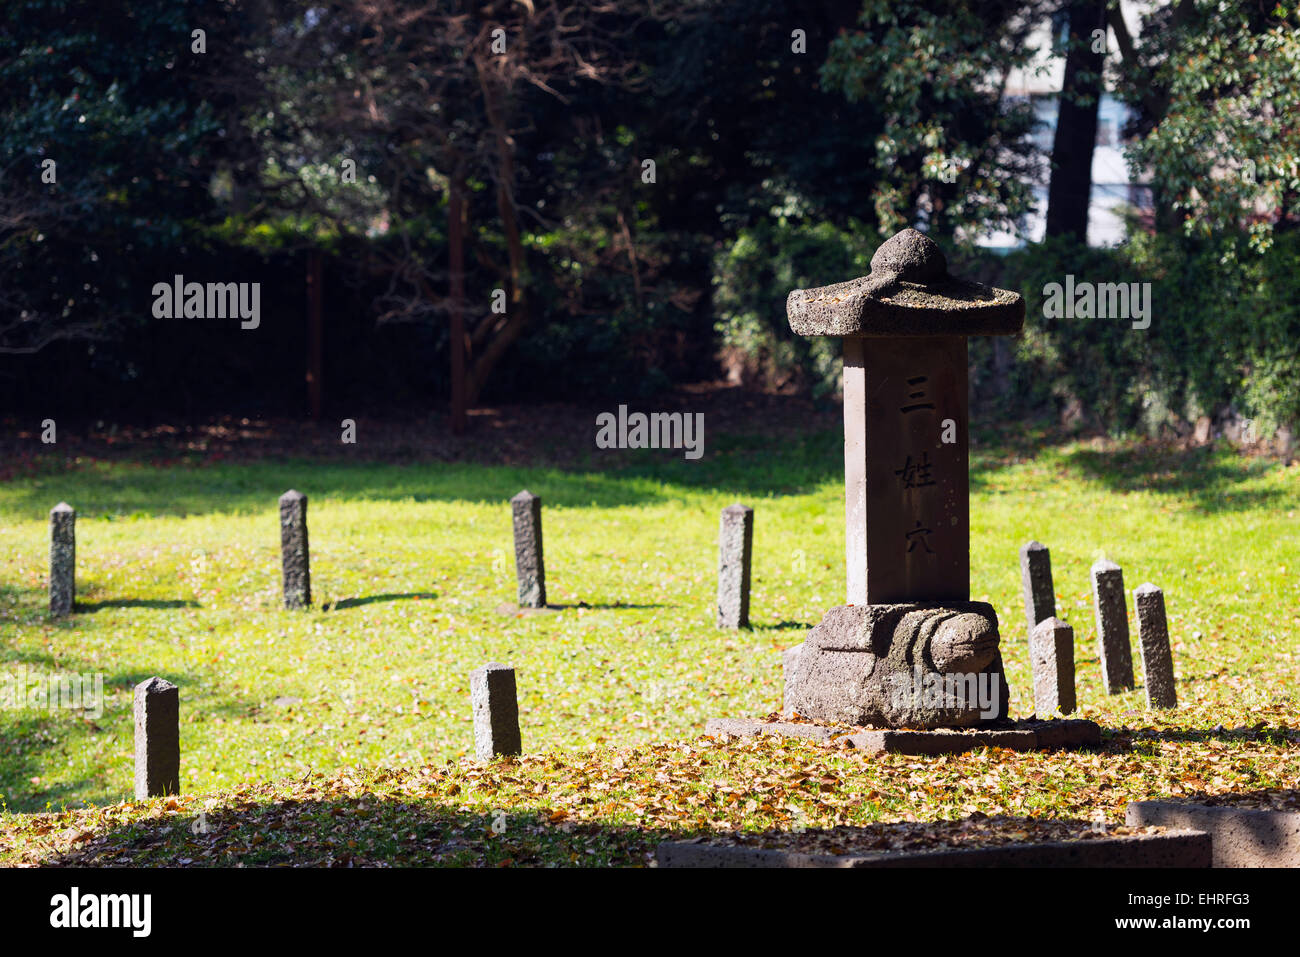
(751, 280)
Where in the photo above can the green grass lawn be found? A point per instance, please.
(178, 576)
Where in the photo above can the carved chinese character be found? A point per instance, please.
(919, 534)
(918, 393)
(916, 474)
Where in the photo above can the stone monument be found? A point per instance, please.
(908, 648)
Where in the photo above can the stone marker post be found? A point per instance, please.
(1036, 583)
(526, 509)
(295, 558)
(1153, 640)
(735, 553)
(1051, 655)
(157, 739)
(1112, 627)
(63, 559)
(906, 451)
(496, 711)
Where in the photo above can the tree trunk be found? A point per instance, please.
(505, 333)
(1154, 98)
(1070, 188)
(315, 335)
(456, 257)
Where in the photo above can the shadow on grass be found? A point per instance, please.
(26, 740)
(90, 607)
(746, 465)
(750, 465)
(609, 606)
(1257, 734)
(372, 599)
(35, 738)
(783, 626)
(510, 609)
(1206, 476)
(376, 830)
(33, 745)
(37, 599)
(365, 831)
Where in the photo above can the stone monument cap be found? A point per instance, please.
(908, 293)
(155, 684)
(1051, 624)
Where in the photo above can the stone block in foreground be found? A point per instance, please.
(1243, 837)
(1171, 849)
(1071, 734)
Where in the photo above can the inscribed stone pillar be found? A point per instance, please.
(908, 620)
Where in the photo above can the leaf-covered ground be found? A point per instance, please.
(612, 807)
(340, 735)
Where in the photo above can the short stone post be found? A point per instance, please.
(1112, 627)
(496, 711)
(157, 739)
(1036, 583)
(526, 510)
(1153, 641)
(1051, 655)
(63, 559)
(294, 556)
(735, 553)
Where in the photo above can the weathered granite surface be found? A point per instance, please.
(908, 293)
(1170, 849)
(754, 727)
(735, 554)
(1112, 627)
(495, 703)
(295, 555)
(63, 559)
(1051, 658)
(1071, 734)
(1153, 641)
(905, 665)
(1036, 584)
(530, 566)
(1243, 836)
(157, 739)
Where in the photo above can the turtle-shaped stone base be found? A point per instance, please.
(922, 665)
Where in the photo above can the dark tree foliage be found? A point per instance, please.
(111, 94)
